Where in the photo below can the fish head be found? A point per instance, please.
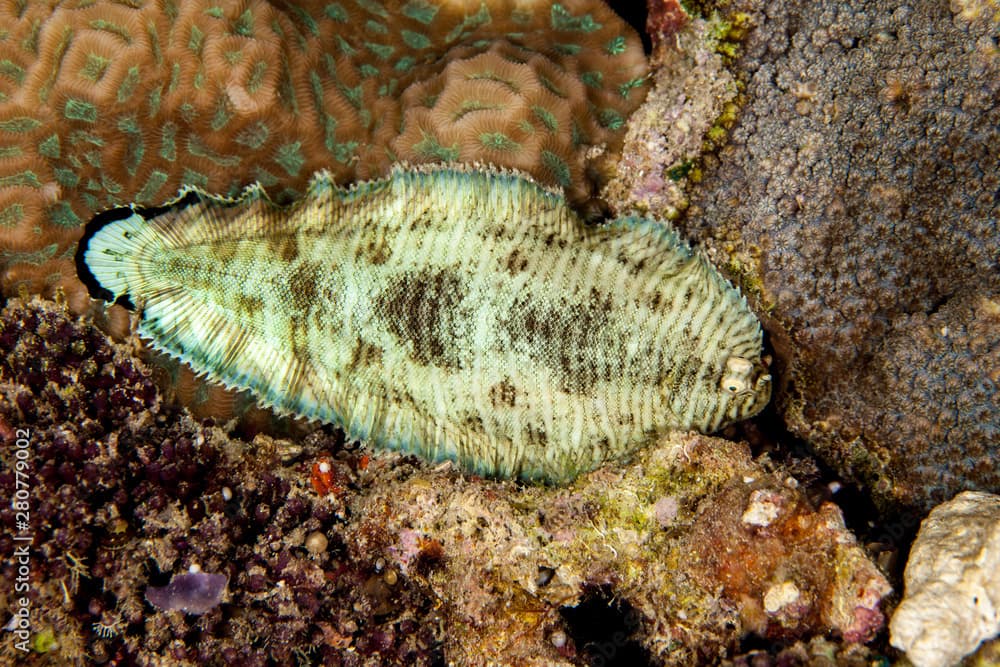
(744, 387)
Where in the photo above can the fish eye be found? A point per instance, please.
(736, 377)
(733, 386)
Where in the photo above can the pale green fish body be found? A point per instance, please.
(454, 313)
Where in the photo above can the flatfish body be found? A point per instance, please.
(454, 313)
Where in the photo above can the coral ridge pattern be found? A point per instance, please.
(458, 313)
(105, 103)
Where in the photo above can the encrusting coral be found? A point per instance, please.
(106, 103)
(858, 198)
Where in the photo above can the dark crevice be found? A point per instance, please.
(605, 630)
(634, 13)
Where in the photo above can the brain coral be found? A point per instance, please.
(104, 103)
(861, 189)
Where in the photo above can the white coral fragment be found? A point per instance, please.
(780, 596)
(762, 509)
(952, 583)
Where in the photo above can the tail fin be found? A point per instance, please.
(109, 254)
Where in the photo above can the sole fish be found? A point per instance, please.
(451, 312)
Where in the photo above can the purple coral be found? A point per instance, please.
(176, 498)
(194, 592)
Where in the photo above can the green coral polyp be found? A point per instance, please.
(336, 12)
(50, 147)
(616, 46)
(430, 147)
(128, 84)
(498, 141)
(557, 167)
(26, 177)
(563, 20)
(10, 216)
(115, 29)
(290, 157)
(95, 67)
(157, 179)
(19, 124)
(420, 10)
(80, 110)
(469, 106)
(243, 26)
(12, 71)
(415, 40)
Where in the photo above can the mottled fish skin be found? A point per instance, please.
(455, 313)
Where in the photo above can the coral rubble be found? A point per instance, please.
(671, 538)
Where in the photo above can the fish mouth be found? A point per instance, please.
(748, 381)
(761, 390)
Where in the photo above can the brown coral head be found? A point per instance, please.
(553, 110)
(105, 103)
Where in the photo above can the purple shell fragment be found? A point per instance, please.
(191, 592)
